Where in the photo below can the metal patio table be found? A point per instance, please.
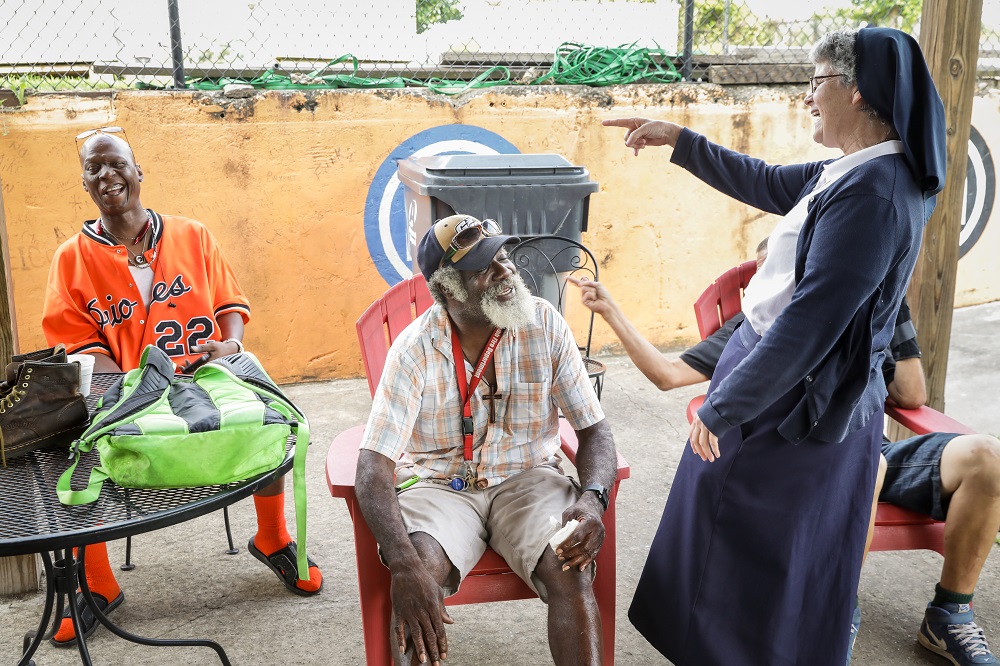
(34, 521)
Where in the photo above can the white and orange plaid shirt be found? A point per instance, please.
(416, 417)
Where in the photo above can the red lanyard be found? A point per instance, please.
(465, 387)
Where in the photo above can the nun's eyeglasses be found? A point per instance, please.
(813, 81)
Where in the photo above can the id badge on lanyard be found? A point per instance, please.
(465, 389)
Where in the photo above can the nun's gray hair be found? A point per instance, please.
(839, 48)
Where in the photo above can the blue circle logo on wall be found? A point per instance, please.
(386, 224)
(980, 190)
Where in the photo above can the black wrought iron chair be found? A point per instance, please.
(544, 263)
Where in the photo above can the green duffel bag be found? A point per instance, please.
(227, 422)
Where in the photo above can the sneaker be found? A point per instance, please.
(948, 631)
(855, 627)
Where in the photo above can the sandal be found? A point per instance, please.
(282, 563)
(88, 621)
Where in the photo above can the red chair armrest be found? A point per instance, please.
(570, 445)
(342, 462)
(925, 420)
(694, 406)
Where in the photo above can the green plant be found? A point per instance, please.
(210, 57)
(436, 11)
(19, 91)
(901, 14)
(730, 23)
(22, 83)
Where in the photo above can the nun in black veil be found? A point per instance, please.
(757, 557)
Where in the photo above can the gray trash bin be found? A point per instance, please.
(528, 195)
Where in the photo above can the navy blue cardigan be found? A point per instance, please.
(853, 261)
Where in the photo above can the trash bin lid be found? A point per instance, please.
(433, 171)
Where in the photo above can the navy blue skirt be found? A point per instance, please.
(757, 557)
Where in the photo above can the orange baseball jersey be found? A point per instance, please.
(93, 305)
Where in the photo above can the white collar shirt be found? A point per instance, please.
(771, 288)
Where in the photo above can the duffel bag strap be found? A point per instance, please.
(150, 384)
(299, 488)
(71, 497)
(300, 426)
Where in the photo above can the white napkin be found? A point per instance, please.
(557, 539)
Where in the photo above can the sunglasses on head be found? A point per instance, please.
(113, 129)
(468, 232)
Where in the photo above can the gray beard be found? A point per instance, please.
(514, 314)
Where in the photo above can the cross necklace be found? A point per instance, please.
(493, 396)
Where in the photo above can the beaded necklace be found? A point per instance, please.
(138, 260)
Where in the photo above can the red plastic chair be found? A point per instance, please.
(896, 528)
(491, 579)
(385, 319)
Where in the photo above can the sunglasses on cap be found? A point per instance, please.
(113, 129)
(468, 232)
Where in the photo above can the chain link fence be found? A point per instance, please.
(447, 45)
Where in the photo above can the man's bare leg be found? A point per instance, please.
(879, 480)
(970, 475)
(574, 621)
(970, 480)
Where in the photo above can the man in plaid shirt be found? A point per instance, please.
(438, 482)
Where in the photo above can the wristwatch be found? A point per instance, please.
(602, 493)
(239, 345)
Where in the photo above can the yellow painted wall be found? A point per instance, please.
(978, 279)
(282, 179)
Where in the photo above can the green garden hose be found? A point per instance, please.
(575, 64)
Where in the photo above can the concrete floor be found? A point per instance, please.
(186, 586)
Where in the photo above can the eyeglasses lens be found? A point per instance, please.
(491, 227)
(467, 237)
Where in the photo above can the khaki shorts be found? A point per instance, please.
(512, 518)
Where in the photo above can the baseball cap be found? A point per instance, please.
(434, 245)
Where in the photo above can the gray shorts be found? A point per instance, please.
(512, 518)
(913, 475)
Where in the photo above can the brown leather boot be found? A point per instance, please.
(42, 408)
(55, 354)
(50, 354)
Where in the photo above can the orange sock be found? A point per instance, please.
(272, 535)
(100, 580)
